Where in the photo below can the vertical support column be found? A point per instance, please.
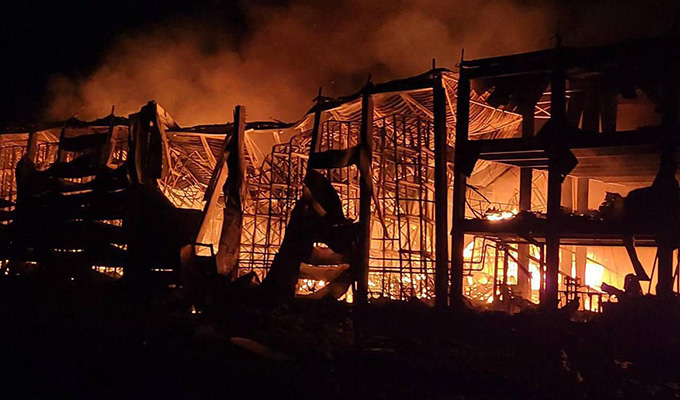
(552, 252)
(233, 189)
(440, 195)
(525, 189)
(459, 189)
(581, 208)
(504, 286)
(591, 123)
(665, 182)
(365, 189)
(558, 115)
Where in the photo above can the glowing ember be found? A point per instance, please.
(307, 286)
(494, 214)
(112, 272)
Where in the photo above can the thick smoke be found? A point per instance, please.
(199, 72)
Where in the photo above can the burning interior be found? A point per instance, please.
(512, 170)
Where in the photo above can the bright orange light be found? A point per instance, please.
(494, 214)
(594, 273)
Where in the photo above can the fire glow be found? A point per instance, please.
(494, 214)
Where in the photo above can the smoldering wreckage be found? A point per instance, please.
(525, 184)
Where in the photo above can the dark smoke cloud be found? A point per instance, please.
(198, 72)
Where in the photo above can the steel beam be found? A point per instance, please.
(459, 189)
(440, 195)
(365, 190)
(552, 254)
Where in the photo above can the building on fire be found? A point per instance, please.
(545, 177)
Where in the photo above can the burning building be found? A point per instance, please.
(506, 159)
(611, 130)
(401, 240)
(61, 191)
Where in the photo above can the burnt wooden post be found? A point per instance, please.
(233, 189)
(558, 116)
(459, 189)
(238, 147)
(525, 189)
(440, 195)
(365, 189)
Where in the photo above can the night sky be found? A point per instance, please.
(42, 38)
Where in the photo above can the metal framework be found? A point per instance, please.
(271, 193)
(402, 249)
(401, 200)
(580, 139)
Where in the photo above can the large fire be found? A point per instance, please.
(485, 277)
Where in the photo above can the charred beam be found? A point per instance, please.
(459, 189)
(665, 180)
(555, 179)
(441, 194)
(365, 190)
